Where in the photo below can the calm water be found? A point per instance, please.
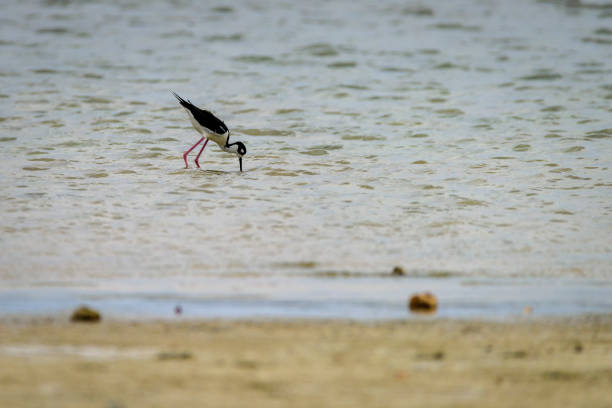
(470, 139)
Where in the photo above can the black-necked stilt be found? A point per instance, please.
(211, 128)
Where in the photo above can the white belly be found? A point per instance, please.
(221, 140)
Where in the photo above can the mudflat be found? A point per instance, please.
(428, 362)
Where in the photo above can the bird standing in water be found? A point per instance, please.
(211, 128)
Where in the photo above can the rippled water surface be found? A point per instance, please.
(456, 138)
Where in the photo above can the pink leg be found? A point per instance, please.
(190, 149)
(198, 157)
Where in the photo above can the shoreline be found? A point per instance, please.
(306, 362)
(297, 298)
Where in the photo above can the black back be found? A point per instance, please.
(204, 117)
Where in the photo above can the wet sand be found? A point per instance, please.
(531, 362)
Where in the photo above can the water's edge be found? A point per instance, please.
(458, 298)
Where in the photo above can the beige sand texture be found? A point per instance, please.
(418, 363)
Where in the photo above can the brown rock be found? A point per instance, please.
(423, 302)
(85, 314)
(398, 271)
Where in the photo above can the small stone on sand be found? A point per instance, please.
(85, 314)
(174, 355)
(423, 302)
(398, 271)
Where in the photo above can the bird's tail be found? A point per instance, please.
(184, 103)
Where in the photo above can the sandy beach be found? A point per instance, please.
(531, 362)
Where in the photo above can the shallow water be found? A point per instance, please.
(366, 298)
(470, 139)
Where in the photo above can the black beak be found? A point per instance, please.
(240, 161)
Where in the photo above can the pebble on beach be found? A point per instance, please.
(423, 302)
(398, 271)
(174, 355)
(85, 314)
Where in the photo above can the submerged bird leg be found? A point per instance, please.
(190, 149)
(198, 156)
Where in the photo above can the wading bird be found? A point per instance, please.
(211, 128)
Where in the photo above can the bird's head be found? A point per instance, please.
(237, 148)
(241, 149)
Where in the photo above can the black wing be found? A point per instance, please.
(204, 117)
